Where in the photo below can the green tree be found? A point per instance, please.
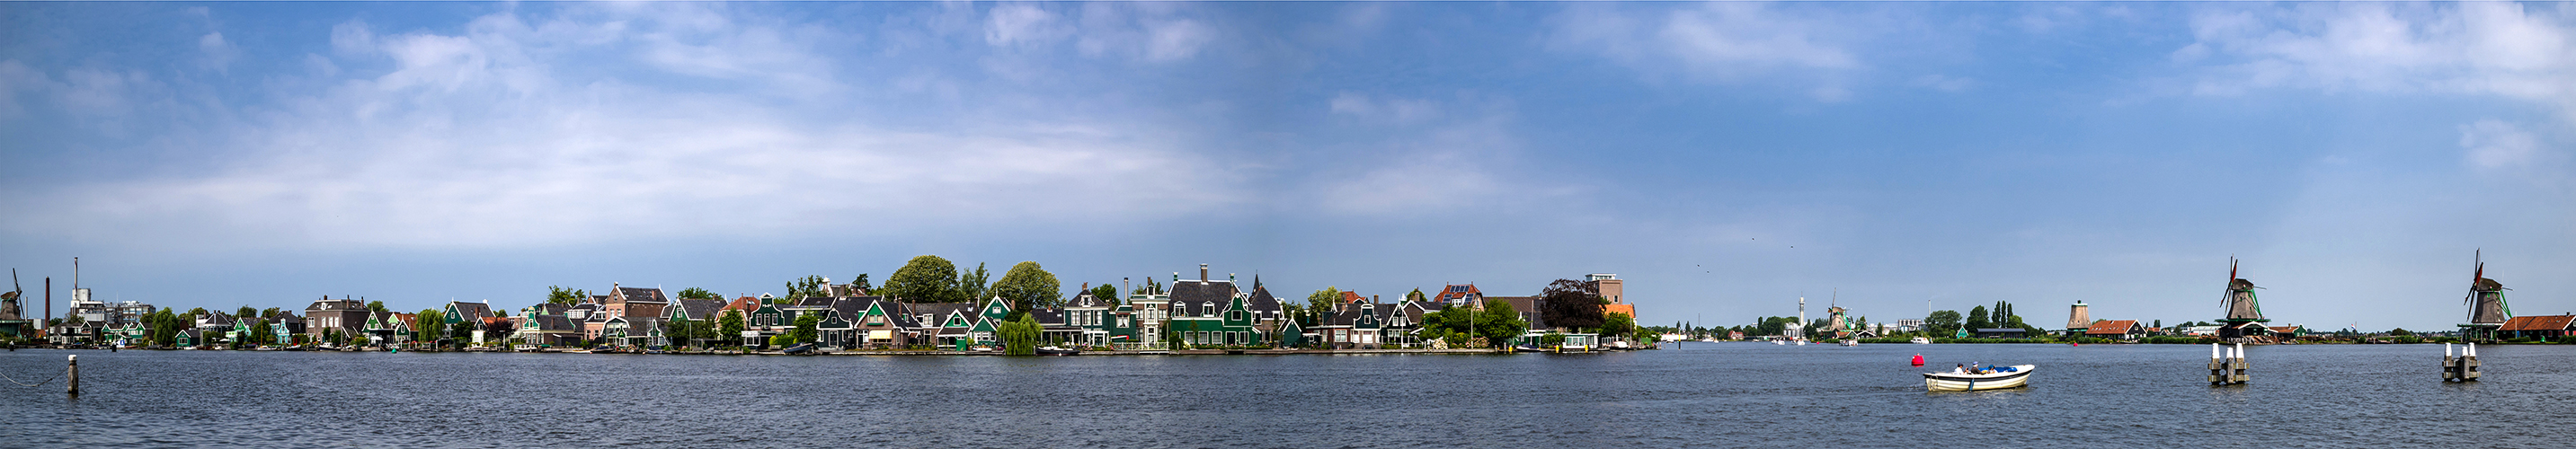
(1569, 303)
(862, 284)
(261, 333)
(427, 325)
(1979, 319)
(807, 287)
(1107, 293)
(1942, 324)
(730, 323)
(698, 293)
(977, 285)
(1416, 296)
(804, 331)
(1498, 324)
(372, 306)
(1618, 324)
(1321, 305)
(1020, 337)
(556, 294)
(925, 279)
(1029, 287)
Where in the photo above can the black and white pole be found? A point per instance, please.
(2463, 368)
(73, 386)
(2227, 365)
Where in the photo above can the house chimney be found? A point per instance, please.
(1202, 273)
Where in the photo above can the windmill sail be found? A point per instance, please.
(2241, 303)
(2486, 298)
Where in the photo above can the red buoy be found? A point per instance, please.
(1918, 360)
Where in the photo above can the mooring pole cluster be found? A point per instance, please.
(2463, 368)
(2227, 365)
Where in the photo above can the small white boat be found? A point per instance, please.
(1922, 341)
(1802, 342)
(1995, 378)
(1851, 342)
(1779, 342)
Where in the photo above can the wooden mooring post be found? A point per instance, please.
(72, 384)
(2227, 365)
(2463, 368)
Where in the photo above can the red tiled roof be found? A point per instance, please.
(2111, 327)
(745, 304)
(1630, 309)
(2539, 323)
(1351, 297)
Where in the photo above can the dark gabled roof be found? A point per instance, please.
(639, 294)
(1047, 317)
(1261, 300)
(1084, 299)
(1195, 292)
(553, 323)
(551, 308)
(939, 310)
(336, 304)
(471, 310)
(598, 299)
(213, 318)
(699, 309)
(810, 302)
(583, 307)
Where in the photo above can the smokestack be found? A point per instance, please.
(46, 326)
(1202, 273)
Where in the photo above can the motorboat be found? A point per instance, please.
(1051, 350)
(1851, 342)
(1993, 378)
(1922, 340)
(1779, 342)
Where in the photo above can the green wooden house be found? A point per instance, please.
(1210, 323)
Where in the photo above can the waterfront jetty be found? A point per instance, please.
(2463, 368)
(2227, 365)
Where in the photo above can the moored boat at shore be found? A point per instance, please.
(1995, 378)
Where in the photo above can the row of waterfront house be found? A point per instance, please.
(1200, 313)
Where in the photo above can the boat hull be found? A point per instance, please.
(1966, 382)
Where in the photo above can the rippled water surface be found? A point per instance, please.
(1713, 394)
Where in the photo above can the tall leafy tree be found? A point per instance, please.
(372, 306)
(1106, 292)
(697, 293)
(731, 323)
(807, 287)
(1321, 304)
(557, 294)
(1498, 324)
(1618, 324)
(1029, 287)
(427, 325)
(1020, 336)
(925, 279)
(1943, 323)
(862, 284)
(246, 312)
(976, 285)
(1979, 318)
(1570, 303)
(1416, 295)
(804, 331)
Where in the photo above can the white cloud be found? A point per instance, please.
(1720, 42)
(1021, 24)
(1398, 111)
(2480, 48)
(219, 53)
(2494, 144)
(477, 139)
(1423, 157)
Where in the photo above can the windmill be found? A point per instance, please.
(9, 301)
(2243, 310)
(2487, 309)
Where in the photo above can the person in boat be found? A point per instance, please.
(1962, 369)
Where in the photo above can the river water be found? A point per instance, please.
(1694, 394)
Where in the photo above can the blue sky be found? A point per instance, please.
(1724, 158)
